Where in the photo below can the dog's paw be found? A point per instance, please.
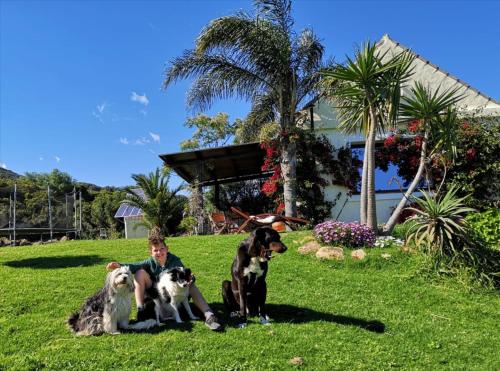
(234, 314)
(242, 325)
(180, 321)
(115, 333)
(194, 318)
(264, 321)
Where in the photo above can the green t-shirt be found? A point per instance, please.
(153, 268)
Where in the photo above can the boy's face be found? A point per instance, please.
(159, 252)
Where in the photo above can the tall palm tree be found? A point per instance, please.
(438, 123)
(260, 59)
(366, 91)
(159, 204)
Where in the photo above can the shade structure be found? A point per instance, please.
(218, 165)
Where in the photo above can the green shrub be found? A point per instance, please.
(440, 231)
(487, 225)
(401, 230)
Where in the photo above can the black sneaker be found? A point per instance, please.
(213, 323)
(141, 315)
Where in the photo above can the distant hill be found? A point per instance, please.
(5, 173)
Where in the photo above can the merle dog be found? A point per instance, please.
(246, 293)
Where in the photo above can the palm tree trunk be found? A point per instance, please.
(389, 226)
(364, 179)
(371, 208)
(289, 172)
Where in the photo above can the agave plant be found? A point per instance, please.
(159, 204)
(439, 225)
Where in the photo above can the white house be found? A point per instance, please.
(325, 123)
(132, 217)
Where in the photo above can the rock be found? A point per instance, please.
(358, 254)
(310, 247)
(307, 239)
(385, 256)
(24, 242)
(330, 253)
(37, 243)
(4, 241)
(64, 238)
(296, 361)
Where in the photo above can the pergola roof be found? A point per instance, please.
(218, 165)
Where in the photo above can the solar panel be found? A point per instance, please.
(121, 211)
(126, 210)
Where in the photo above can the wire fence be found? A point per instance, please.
(28, 211)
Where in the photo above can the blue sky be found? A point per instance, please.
(80, 81)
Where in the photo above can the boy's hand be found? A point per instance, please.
(112, 265)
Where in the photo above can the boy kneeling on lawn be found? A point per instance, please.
(148, 271)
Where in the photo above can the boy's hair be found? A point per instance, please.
(156, 237)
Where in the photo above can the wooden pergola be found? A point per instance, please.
(216, 166)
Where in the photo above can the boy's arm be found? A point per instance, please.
(134, 267)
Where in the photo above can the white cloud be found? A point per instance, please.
(153, 152)
(3, 165)
(141, 141)
(143, 112)
(98, 116)
(124, 141)
(102, 107)
(57, 158)
(156, 137)
(41, 158)
(142, 99)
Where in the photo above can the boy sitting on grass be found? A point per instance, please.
(148, 271)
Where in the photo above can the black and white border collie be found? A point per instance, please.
(173, 290)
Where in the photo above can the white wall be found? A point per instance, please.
(133, 230)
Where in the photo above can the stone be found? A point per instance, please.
(4, 241)
(64, 238)
(310, 247)
(330, 253)
(24, 242)
(296, 361)
(385, 256)
(307, 239)
(358, 254)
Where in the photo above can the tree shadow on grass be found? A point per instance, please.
(284, 313)
(56, 262)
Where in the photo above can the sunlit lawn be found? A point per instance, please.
(373, 314)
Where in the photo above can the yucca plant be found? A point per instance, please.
(440, 230)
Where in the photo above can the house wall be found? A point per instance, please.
(346, 207)
(133, 229)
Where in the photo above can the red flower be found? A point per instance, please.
(470, 154)
(465, 125)
(414, 126)
(418, 141)
(389, 141)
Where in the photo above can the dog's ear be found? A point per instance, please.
(174, 275)
(130, 279)
(187, 271)
(254, 243)
(109, 286)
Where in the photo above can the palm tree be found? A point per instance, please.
(159, 204)
(259, 59)
(366, 92)
(438, 121)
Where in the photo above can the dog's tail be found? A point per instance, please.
(73, 322)
(143, 325)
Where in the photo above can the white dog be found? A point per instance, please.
(109, 309)
(173, 290)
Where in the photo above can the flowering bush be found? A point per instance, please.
(388, 241)
(345, 234)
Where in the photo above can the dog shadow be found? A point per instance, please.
(284, 313)
(56, 262)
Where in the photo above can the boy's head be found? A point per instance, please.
(157, 246)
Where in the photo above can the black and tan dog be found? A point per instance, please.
(246, 293)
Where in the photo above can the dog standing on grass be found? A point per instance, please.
(246, 292)
(109, 309)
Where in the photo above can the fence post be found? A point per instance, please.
(14, 214)
(80, 229)
(50, 213)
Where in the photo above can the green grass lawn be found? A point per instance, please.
(327, 313)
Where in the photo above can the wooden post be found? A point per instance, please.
(217, 196)
(50, 213)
